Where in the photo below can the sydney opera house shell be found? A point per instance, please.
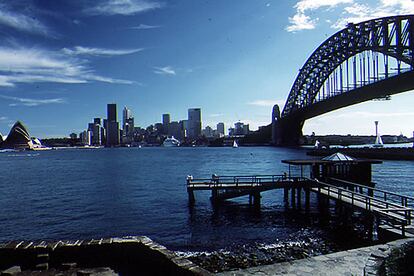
(18, 138)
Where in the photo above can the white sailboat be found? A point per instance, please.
(235, 145)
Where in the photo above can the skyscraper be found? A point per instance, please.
(97, 132)
(127, 125)
(194, 123)
(126, 114)
(166, 123)
(112, 132)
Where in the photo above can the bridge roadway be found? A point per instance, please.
(392, 211)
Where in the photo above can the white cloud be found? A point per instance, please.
(28, 65)
(123, 7)
(22, 22)
(301, 21)
(79, 50)
(267, 103)
(357, 12)
(167, 70)
(144, 27)
(215, 115)
(353, 11)
(32, 102)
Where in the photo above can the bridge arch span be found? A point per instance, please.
(372, 59)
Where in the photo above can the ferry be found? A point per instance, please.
(171, 142)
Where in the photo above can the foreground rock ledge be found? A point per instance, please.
(112, 256)
(361, 261)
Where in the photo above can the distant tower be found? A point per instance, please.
(376, 128)
(112, 132)
(194, 123)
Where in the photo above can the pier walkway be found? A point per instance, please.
(393, 212)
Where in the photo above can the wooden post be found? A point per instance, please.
(286, 194)
(214, 194)
(191, 197)
(293, 201)
(256, 198)
(299, 196)
(307, 198)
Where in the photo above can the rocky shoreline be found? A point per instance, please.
(250, 255)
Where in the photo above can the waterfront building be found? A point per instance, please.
(73, 136)
(86, 137)
(175, 130)
(220, 129)
(194, 123)
(112, 130)
(184, 128)
(208, 132)
(239, 129)
(18, 137)
(97, 121)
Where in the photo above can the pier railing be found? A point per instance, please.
(396, 215)
(401, 200)
(224, 181)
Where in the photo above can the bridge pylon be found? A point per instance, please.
(286, 131)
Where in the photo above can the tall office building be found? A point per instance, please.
(166, 123)
(97, 132)
(194, 123)
(112, 131)
(126, 114)
(220, 129)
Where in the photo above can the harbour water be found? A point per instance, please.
(81, 194)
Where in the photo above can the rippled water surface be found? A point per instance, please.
(80, 194)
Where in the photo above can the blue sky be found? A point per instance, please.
(61, 62)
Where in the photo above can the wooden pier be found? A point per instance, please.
(227, 187)
(342, 179)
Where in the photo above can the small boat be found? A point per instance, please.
(235, 145)
(171, 142)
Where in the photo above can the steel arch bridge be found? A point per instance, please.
(370, 60)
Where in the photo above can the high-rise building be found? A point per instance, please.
(112, 131)
(175, 130)
(126, 114)
(97, 132)
(194, 123)
(184, 128)
(166, 122)
(220, 129)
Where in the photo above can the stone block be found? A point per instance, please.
(11, 271)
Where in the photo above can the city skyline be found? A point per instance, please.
(190, 128)
(234, 61)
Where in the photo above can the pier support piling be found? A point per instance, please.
(299, 194)
(191, 198)
(286, 194)
(293, 196)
